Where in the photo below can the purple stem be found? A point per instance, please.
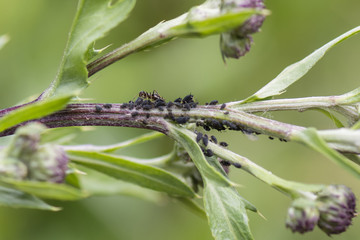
(96, 114)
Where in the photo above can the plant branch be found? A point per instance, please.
(299, 104)
(92, 114)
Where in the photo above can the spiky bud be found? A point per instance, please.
(49, 164)
(303, 215)
(237, 42)
(336, 204)
(12, 168)
(25, 158)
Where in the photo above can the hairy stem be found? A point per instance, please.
(92, 114)
(298, 104)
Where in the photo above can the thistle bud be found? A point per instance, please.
(233, 46)
(12, 168)
(26, 141)
(49, 164)
(237, 42)
(302, 216)
(26, 158)
(336, 204)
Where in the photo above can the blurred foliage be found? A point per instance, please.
(38, 31)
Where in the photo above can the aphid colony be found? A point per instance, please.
(204, 139)
(148, 101)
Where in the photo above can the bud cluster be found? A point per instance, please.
(26, 159)
(237, 42)
(332, 210)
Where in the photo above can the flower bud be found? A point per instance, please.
(49, 164)
(336, 204)
(12, 168)
(26, 158)
(26, 141)
(302, 215)
(233, 46)
(237, 42)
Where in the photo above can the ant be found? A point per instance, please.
(151, 96)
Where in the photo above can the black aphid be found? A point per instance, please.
(199, 136)
(205, 140)
(226, 113)
(171, 116)
(206, 128)
(282, 140)
(161, 109)
(147, 107)
(237, 165)
(178, 100)
(231, 125)
(146, 102)
(193, 104)
(188, 98)
(107, 105)
(178, 104)
(98, 108)
(139, 101)
(160, 103)
(131, 105)
(213, 139)
(169, 104)
(271, 138)
(216, 125)
(224, 144)
(187, 106)
(134, 114)
(225, 163)
(213, 102)
(147, 115)
(182, 120)
(222, 106)
(209, 153)
(124, 105)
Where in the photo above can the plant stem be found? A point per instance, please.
(293, 189)
(153, 36)
(298, 104)
(86, 114)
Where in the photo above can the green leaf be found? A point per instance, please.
(295, 71)
(97, 183)
(61, 135)
(94, 18)
(193, 206)
(335, 120)
(350, 97)
(311, 138)
(356, 125)
(14, 198)
(192, 148)
(92, 52)
(111, 148)
(33, 111)
(48, 190)
(4, 39)
(225, 208)
(140, 174)
(226, 212)
(210, 25)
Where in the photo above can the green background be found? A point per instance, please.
(38, 31)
